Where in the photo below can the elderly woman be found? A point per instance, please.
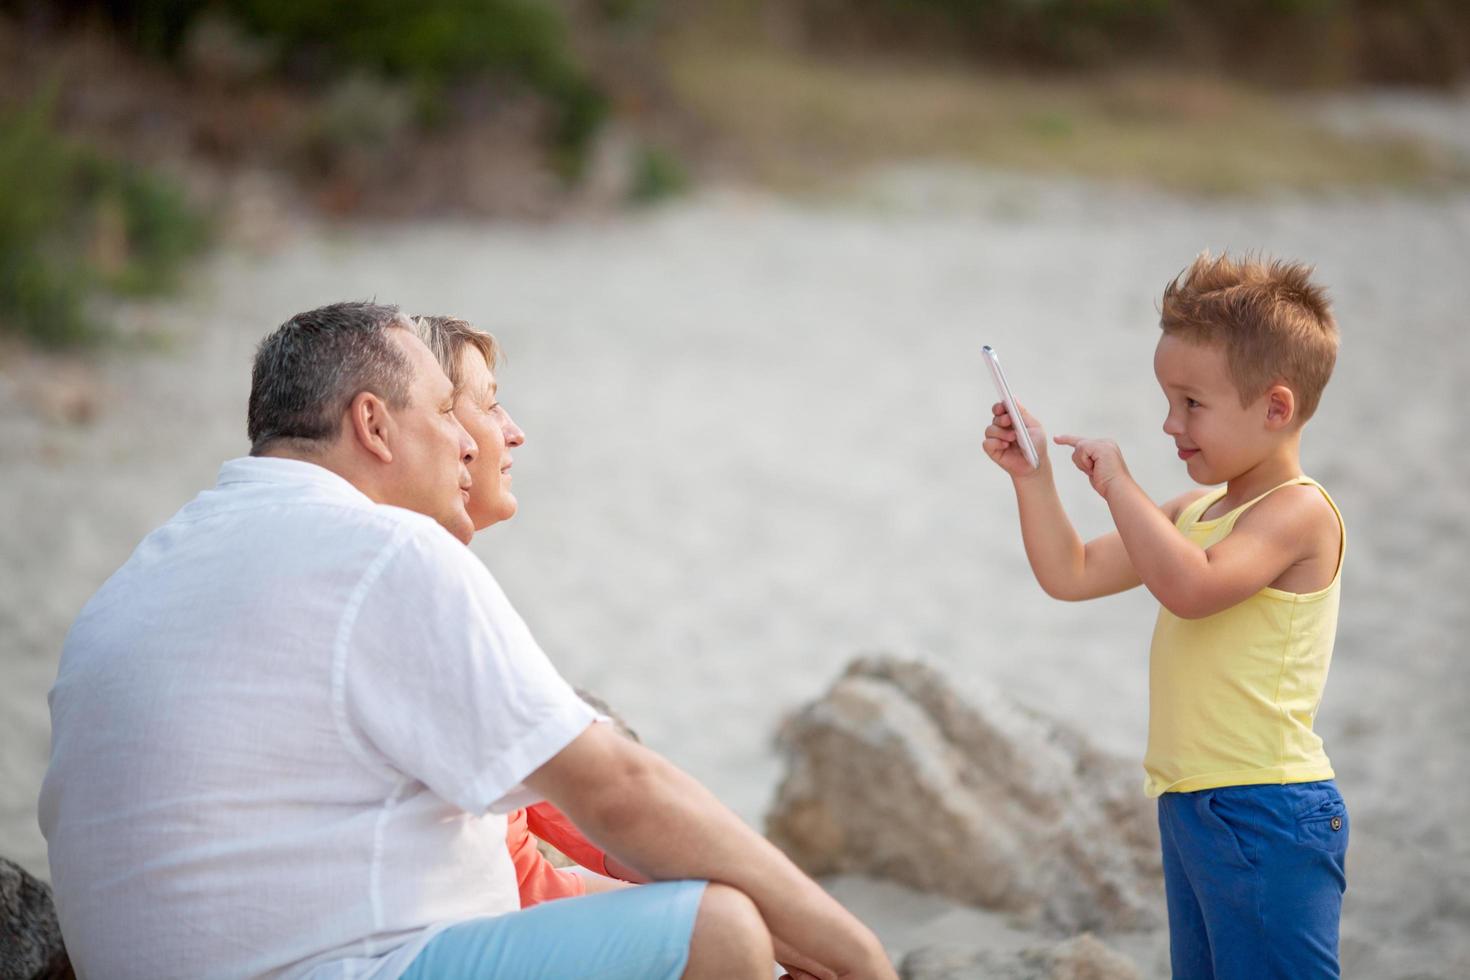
(469, 357)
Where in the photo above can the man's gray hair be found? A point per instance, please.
(308, 371)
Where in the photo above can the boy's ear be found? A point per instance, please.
(1280, 406)
(371, 424)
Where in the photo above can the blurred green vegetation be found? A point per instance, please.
(428, 43)
(801, 122)
(1160, 90)
(73, 222)
(1312, 42)
(658, 174)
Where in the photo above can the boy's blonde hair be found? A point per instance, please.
(447, 336)
(1274, 323)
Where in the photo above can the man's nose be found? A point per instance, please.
(468, 450)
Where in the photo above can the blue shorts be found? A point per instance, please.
(1254, 877)
(637, 933)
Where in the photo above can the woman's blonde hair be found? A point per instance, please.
(448, 336)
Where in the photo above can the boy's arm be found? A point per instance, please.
(1190, 581)
(1065, 567)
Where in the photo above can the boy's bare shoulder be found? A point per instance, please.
(1301, 502)
(1301, 512)
(1302, 520)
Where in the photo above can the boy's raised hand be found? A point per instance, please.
(1100, 459)
(1001, 444)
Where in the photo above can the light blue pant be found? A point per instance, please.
(637, 933)
(1254, 877)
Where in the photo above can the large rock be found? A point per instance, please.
(30, 936)
(1081, 958)
(894, 774)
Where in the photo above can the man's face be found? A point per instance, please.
(431, 450)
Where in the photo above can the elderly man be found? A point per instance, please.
(285, 732)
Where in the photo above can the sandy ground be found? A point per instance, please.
(754, 431)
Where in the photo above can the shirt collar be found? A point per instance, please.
(287, 472)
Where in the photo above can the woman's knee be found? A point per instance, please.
(730, 938)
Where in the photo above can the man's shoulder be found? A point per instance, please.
(424, 532)
(401, 521)
(303, 528)
(424, 555)
(329, 514)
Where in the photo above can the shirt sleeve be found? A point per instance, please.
(436, 675)
(551, 825)
(536, 878)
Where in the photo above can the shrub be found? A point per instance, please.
(1296, 41)
(426, 42)
(73, 222)
(657, 175)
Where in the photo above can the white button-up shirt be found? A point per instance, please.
(281, 734)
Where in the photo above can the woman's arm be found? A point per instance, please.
(551, 825)
(536, 879)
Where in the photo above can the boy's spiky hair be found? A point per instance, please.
(1275, 324)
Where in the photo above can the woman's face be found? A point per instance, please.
(495, 432)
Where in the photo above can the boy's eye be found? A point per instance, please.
(1190, 402)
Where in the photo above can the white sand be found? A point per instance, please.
(753, 452)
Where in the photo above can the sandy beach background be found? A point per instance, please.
(753, 452)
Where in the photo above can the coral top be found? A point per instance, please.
(1232, 697)
(538, 880)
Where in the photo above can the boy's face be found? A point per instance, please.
(1217, 438)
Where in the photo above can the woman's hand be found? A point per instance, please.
(1002, 445)
(799, 966)
(797, 973)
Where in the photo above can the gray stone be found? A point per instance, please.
(1081, 958)
(893, 773)
(30, 936)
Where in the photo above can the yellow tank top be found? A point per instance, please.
(1232, 696)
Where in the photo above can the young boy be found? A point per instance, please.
(1254, 831)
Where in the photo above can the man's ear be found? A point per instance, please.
(1280, 406)
(371, 424)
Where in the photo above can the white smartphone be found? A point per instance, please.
(1023, 437)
